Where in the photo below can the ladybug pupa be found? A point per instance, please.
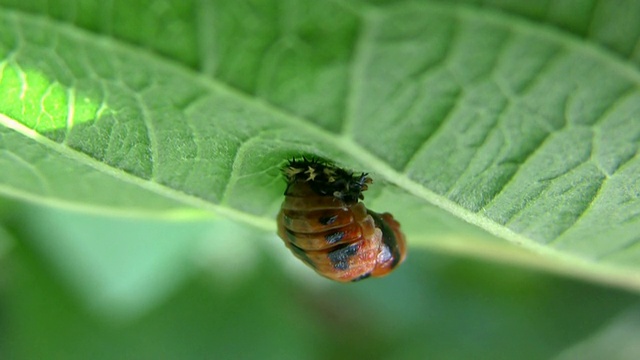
(324, 224)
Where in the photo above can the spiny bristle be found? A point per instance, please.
(326, 178)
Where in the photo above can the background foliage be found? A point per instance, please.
(140, 144)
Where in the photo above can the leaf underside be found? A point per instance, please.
(527, 131)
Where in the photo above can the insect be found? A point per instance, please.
(323, 223)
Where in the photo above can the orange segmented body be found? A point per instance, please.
(323, 223)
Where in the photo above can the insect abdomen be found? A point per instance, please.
(323, 223)
(345, 249)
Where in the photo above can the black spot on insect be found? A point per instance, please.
(302, 255)
(334, 237)
(340, 258)
(361, 277)
(328, 220)
(292, 236)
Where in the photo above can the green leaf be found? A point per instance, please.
(462, 114)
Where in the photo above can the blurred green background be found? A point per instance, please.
(82, 286)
